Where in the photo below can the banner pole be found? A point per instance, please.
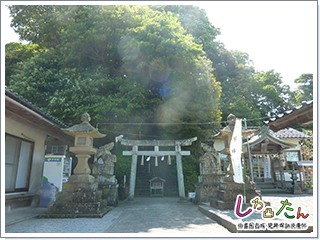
(244, 173)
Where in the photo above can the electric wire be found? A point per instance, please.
(182, 123)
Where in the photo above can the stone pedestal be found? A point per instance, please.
(210, 175)
(225, 197)
(207, 188)
(103, 172)
(296, 189)
(80, 198)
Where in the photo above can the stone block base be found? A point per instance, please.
(211, 179)
(78, 199)
(73, 215)
(224, 200)
(63, 207)
(226, 196)
(104, 180)
(232, 195)
(222, 205)
(79, 187)
(205, 192)
(111, 195)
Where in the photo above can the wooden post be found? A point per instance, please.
(133, 173)
(258, 158)
(300, 178)
(281, 172)
(180, 172)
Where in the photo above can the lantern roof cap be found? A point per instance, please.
(228, 130)
(84, 127)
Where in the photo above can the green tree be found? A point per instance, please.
(271, 95)
(305, 88)
(241, 109)
(37, 24)
(135, 64)
(15, 54)
(307, 146)
(195, 21)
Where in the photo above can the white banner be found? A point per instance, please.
(236, 151)
(267, 166)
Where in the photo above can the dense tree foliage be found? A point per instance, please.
(138, 65)
(307, 146)
(272, 96)
(245, 92)
(15, 55)
(305, 88)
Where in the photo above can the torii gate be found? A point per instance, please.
(156, 153)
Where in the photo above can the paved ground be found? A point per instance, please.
(154, 217)
(143, 215)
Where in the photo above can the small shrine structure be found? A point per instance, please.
(264, 144)
(156, 187)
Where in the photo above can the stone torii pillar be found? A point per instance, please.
(180, 171)
(156, 153)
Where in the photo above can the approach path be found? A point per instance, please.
(143, 215)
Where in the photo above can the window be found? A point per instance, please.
(81, 140)
(18, 157)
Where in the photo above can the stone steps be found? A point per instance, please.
(164, 171)
(267, 185)
(270, 187)
(275, 190)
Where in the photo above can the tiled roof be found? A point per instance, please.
(279, 116)
(264, 134)
(10, 93)
(289, 133)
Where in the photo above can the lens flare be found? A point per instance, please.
(129, 48)
(164, 91)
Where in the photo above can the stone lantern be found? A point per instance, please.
(80, 196)
(84, 134)
(225, 196)
(226, 134)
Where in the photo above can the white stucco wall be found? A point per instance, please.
(16, 128)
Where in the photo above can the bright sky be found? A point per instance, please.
(279, 35)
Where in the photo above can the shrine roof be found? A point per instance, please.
(264, 134)
(302, 115)
(157, 178)
(289, 133)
